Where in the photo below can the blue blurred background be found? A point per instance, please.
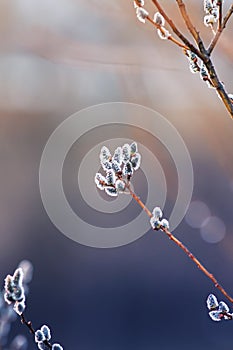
(57, 58)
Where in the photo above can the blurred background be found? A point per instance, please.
(57, 58)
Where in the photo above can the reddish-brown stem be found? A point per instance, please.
(188, 21)
(138, 200)
(28, 324)
(220, 30)
(182, 246)
(169, 37)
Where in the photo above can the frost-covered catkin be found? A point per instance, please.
(104, 154)
(163, 34)
(156, 222)
(138, 3)
(117, 156)
(39, 336)
(203, 72)
(159, 19)
(218, 310)
(57, 347)
(111, 177)
(100, 181)
(133, 148)
(212, 302)
(14, 291)
(193, 61)
(126, 153)
(136, 161)
(212, 12)
(120, 185)
(141, 14)
(128, 169)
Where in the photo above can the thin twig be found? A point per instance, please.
(182, 246)
(169, 37)
(220, 30)
(188, 21)
(28, 324)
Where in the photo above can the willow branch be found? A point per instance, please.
(220, 30)
(171, 38)
(184, 248)
(28, 324)
(176, 30)
(219, 86)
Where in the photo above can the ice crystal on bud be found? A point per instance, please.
(111, 177)
(223, 307)
(117, 156)
(208, 6)
(157, 213)
(136, 161)
(106, 165)
(193, 61)
(212, 302)
(209, 20)
(57, 347)
(165, 224)
(193, 68)
(39, 336)
(133, 148)
(120, 185)
(141, 14)
(104, 154)
(46, 331)
(138, 3)
(111, 191)
(215, 315)
(126, 153)
(230, 97)
(19, 307)
(159, 19)
(100, 181)
(9, 284)
(42, 346)
(215, 13)
(155, 223)
(163, 34)
(18, 277)
(128, 169)
(8, 298)
(116, 167)
(203, 72)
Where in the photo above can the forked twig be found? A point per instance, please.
(220, 30)
(208, 72)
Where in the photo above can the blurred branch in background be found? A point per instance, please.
(199, 57)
